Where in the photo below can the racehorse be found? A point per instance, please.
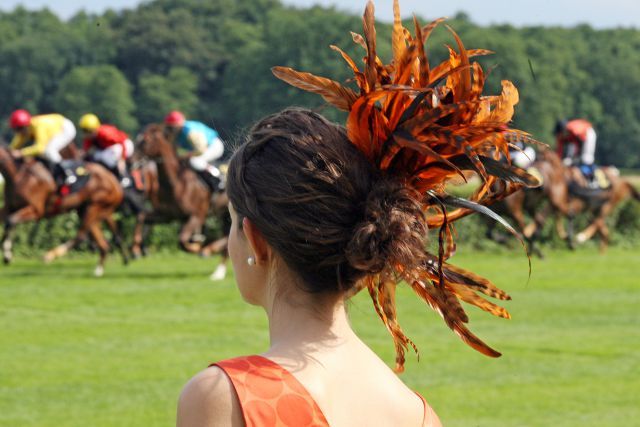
(30, 194)
(599, 203)
(564, 194)
(551, 197)
(177, 193)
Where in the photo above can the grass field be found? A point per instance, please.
(115, 351)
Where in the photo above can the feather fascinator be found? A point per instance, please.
(425, 125)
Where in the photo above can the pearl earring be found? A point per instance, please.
(251, 260)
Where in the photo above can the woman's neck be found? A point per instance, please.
(306, 323)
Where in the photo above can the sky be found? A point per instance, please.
(597, 13)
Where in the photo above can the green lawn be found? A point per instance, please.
(115, 351)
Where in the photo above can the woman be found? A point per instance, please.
(299, 264)
(320, 212)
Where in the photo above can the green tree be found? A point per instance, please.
(158, 94)
(32, 59)
(102, 90)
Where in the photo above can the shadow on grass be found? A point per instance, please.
(85, 271)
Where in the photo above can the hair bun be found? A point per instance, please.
(393, 230)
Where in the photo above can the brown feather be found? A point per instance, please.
(470, 297)
(368, 22)
(398, 44)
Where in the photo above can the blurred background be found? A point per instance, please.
(212, 59)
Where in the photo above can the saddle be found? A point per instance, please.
(532, 170)
(600, 178)
(71, 176)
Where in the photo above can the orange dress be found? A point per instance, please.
(271, 396)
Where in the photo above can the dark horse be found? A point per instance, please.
(176, 193)
(30, 195)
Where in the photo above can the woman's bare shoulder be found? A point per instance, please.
(431, 418)
(209, 400)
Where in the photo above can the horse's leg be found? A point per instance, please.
(565, 234)
(28, 213)
(34, 232)
(518, 215)
(146, 233)
(6, 236)
(495, 235)
(560, 229)
(103, 246)
(117, 238)
(190, 227)
(91, 215)
(603, 230)
(214, 247)
(530, 229)
(533, 230)
(7, 244)
(588, 232)
(62, 249)
(138, 236)
(221, 270)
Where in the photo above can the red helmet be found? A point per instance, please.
(19, 119)
(174, 118)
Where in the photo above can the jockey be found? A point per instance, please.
(42, 136)
(576, 140)
(112, 146)
(201, 141)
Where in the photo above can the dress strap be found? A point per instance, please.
(430, 419)
(270, 395)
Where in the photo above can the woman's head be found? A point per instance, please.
(320, 204)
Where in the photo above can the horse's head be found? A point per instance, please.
(154, 142)
(7, 162)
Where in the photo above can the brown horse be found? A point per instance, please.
(30, 194)
(551, 197)
(176, 193)
(598, 203)
(565, 190)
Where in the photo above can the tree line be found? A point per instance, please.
(212, 60)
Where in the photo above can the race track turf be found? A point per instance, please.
(115, 351)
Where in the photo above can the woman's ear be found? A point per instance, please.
(258, 244)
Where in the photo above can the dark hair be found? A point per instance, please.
(320, 203)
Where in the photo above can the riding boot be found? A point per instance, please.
(58, 173)
(588, 172)
(211, 181)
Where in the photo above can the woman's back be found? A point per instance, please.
(349, 386)
(353, 387)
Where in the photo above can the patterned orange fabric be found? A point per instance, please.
(270, 395)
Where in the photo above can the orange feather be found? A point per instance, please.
(425, 125)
